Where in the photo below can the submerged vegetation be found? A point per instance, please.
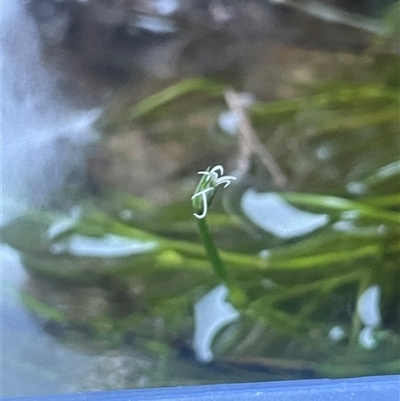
(305, 289)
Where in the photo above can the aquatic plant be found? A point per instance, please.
(201, 201)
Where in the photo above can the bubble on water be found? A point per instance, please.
(228, 121)
(356, 188)
(264, 254)
(336, 333)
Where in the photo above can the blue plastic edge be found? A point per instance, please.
(374, 388)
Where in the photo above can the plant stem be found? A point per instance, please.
(237, 296)
(211, 250)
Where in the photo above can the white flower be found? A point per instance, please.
(206, 188)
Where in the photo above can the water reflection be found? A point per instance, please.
(156, 25)
(44, 142)
(212, 313)
(30, 357)
(43, 137)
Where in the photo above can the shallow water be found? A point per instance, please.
(100, 221)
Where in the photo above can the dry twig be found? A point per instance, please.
(248, 142)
